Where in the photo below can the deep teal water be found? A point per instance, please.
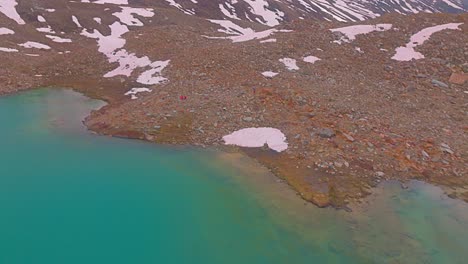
(68, 196)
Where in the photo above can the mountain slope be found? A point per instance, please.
(273, 12)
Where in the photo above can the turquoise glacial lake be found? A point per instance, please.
(68, 196)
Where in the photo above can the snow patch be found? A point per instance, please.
(153, 76)
(290, 64)
(269, 74)
(6, 31)
(112, 46)
(76, 21)
(229, 12)
(134, 91)
(181, 8)
(101, 2)
(342, 10)
(34, 45)
(261, 8)
(257, 137)
(8, 8)
(268, 40)
(240, 34)
(58, 39)
(408, 52)
(41, 19)
(453, 5)
(311, 59)
(47, 29)
(108, 44)
(126, 15)
(351, 32)
(8, 49)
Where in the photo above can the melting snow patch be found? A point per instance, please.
(311, 59)
(6, 31)
(8, 8)
(352, 31)
(128, 62)
(153, 76)
(449, 3)
(240, 34)
(269, 74)
(268, 40)
(34, 45)
(115, 2)
(126, 15)
(58, 39)
(257, 137)
(112, 47)
(231, 13)
(261, 8)
(75, 20)
(108, 44)
(408, 53)
(41, 19)
(134, 91)
(8, 49)
(47, 29)
(289, 63)
(181, 8)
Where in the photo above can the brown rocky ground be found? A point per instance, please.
(352, 119)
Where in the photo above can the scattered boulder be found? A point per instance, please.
(379, 174)
(439, 83)
(326, 133)
(388, 68)
(421, 76)
(458, 78)
(425, 154)
(348, 137)
(465, 67)
(446, 148)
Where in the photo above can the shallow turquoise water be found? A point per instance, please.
(68, 196)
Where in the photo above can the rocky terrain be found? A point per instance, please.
(357, 102)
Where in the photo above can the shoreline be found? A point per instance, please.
(283, 170)
(265, 159)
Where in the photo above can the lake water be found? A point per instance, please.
(68, 196)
